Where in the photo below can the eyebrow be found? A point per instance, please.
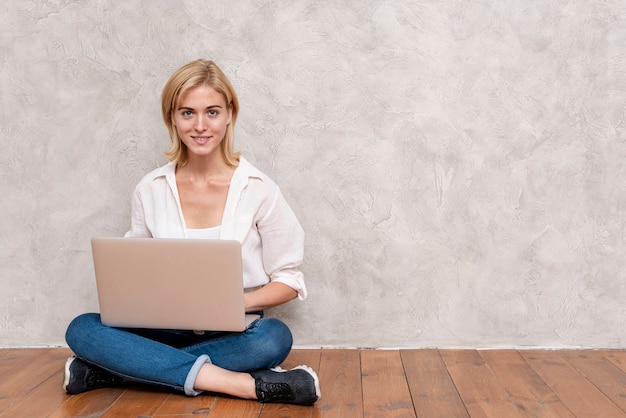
(191, 108)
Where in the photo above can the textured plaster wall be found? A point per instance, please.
(458, 166)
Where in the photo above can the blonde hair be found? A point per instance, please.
(194, 74)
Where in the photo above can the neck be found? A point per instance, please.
(208, 164)
(204, 169)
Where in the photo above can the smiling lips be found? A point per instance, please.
(201, 139)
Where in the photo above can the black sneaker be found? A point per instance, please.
(81, 377)
(299, 386)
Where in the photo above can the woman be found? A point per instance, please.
(206, 191)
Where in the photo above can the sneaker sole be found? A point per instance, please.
(316, 380)
(66, 379)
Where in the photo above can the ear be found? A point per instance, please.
(230, 113)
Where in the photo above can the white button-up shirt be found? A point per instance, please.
(256, 214)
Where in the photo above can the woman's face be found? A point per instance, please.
(201, 120)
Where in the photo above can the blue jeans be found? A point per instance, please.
(173, 358)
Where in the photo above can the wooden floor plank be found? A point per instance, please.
(5, 403)
(607, 377)
(480, 390)
(617, 357)
(340, 370)
(12, 361)
(41, 401)
(385, 388)
(359, 383)
(4, 352)
(580, 396)
(29, 369)
(137, 401)
(432, 389)
(89, 404)
(233, 407)
(179, 404)
(525, 388)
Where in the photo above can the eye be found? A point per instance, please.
(187, 113)
(213, 112)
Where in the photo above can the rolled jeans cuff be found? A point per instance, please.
(193, 374)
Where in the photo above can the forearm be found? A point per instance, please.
(270, 295)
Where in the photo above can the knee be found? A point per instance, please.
(278, 340)
(80, 328)
(279, 331)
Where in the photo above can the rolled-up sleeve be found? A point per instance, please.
(283, 243)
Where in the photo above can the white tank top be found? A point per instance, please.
(204, 233)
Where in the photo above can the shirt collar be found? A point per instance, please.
(244, 171)
(164, 171)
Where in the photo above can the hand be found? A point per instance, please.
(270, 295)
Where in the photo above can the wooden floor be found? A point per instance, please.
(355, 383)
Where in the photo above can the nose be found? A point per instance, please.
(200, 124)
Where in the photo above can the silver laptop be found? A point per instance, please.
(189, 284)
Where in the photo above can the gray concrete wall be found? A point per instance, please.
(458, 166)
